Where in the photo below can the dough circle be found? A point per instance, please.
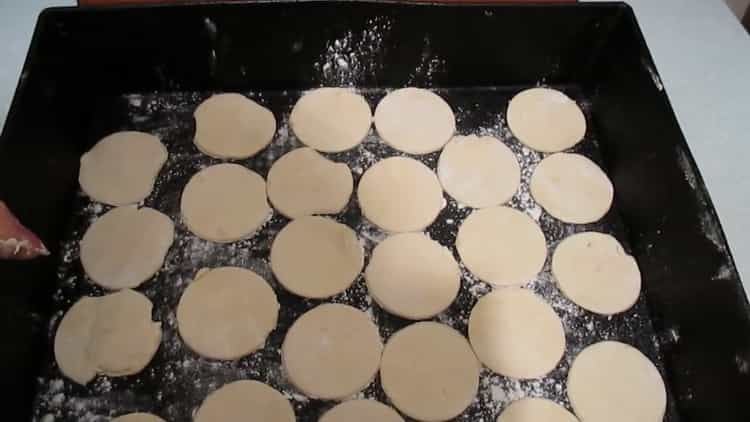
(535, 410)
(414, 120)
(516, 334)
(332, 351)
(331, 119)
(316, 257)
(225, 203)
(247, 401)
(594, 271)
(400, 194)
(112, 335)
(303, 182)
(479, 171)
(429, 372)
(501, 246)
(121, 168)
(361, 411)
(126, 246)
(572, 188)
(232, 126)
(138, 417)
(227, 313)
(412, 276)
(546, 119)
(614, 382)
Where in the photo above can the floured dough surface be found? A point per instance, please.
(122, 167)
(535, 410)
(546, 119)
(361, 411)
(111, 335)
(501, 246)
(400, 194)
(572, 188)
(479, 171)
(316, 257)
(126, 246)
(227, 313)
(232, 126)
(225, 203)
(614, 382)
(429, 371)
(332, 351)
(303, 182)
(516, 334)
(414, 120)
(594, 271)
(138, 417)
(412, 276)
(246, 401)
(331, 119)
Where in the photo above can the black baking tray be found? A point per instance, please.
(84, 66)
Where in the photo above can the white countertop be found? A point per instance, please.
(701, 51)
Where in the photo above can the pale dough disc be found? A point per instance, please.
(516, 334)
(227, 313)
(593, 270)
(332, 351)
(400, 194)
(126, 246)
(479, 171)
(122, 168)
(546, 119)
(429, 371)
(535, 410)
(224, 203)
(138, 417)
(232, 126)
(246, 401)
(316, 257)
(412, 276)
(331, 119)
(572, 188)
(361, 411)
(414, 120)
(614, 382)
(303, 182)
(112, 335)
(501, 246)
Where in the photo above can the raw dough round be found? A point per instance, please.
(224, 203)
(126, 246)
(227, 313)
(122, 168)
(303, 182)
(501, 246)
(412, 276)
(138, 417)
(479, 171)
(572, 188)
(593, 271)
(332, 351)
(111, 335)
(414, 120)
(516, 334)
(535, 410)
(361, 411)
(316, 257)
(400, 194)
(546, 119)
(429, 371)
(331, 119)
(614, 382)
(246, 401)
(232, 126)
